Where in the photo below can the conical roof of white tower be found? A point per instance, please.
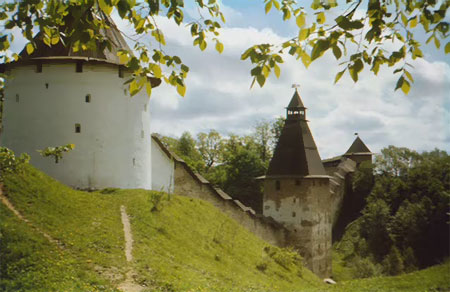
(67, 51)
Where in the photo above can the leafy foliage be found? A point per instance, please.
(80, 23)
(405, 222)
(365, 32)
(360, 36)
(56, 152)
(10, 163)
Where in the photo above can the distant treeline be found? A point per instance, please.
(404, 221)
(231, 163)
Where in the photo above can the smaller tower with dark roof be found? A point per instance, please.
(296, 190)
(358, 151)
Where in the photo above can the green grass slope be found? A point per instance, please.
(180, 244)
(433, 279)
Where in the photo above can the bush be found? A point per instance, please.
(365, 268)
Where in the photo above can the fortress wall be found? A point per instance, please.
(191, 184)
(338, 184)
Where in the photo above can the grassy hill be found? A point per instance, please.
(180, 244)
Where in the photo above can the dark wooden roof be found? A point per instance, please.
(358, 146)
(296, 153)
(60, 51)
(296, 101)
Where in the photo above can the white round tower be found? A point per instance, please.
(55, 97)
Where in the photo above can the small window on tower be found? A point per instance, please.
(277, 185)
(39, 68)
(77, 128)
(293, 214)
(88, 98)
(302, 112)
(79, 67)
(120, 71)
(17, 98)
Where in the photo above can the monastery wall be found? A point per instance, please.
(191, 184)
(341, 177)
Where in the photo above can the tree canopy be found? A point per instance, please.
(358, 36)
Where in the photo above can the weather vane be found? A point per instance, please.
(296, 85)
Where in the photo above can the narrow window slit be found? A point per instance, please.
(88, 98)
(79, 67)
(77, 128)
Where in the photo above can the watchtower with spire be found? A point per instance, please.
(296, 190)
(60, 95)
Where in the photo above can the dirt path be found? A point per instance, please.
(11, 207)
(129, 284)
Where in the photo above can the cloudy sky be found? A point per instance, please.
(219, 95)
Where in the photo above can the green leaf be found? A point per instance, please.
(320, 17)
(437, 43)
(306, 59)
(337, 52)
(300, 20)
(404, 19)
(159, 36)
(203, 45)
(256, 71)
(156, 70)
(261, 80)
(148, 87)
(30, 48)
(399, 82)
(134, 88)
(447, 48)
(409, 75)
(181, 89)
(105, 7)
(276, 70)
(413, 22)
(268, 6)
(319, 48)
(219, 47)
(303, 34)
(339, 75)
(406, 87)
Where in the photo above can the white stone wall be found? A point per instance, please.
(163, 170)
(114, 146)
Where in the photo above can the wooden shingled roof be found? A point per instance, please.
(296, 153)
(358, 147)
(61, 51)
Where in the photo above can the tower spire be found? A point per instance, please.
(296, 110)
(296, 153)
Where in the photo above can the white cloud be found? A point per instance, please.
(218, 97)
